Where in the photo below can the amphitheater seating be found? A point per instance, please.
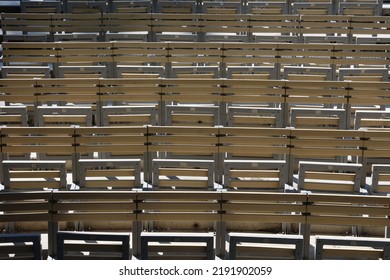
(108, 174)
(64, 116)
(197, 210)
(36, 174)
(235, 107)
(258, 209)
(330, 177)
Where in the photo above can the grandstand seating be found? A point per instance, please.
(234, 129)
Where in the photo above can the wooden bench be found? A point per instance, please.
(247, 116)
(369, 213)
(369, 29)
(43, 143)
(93, 246)
(322, 118)
(192, 115)
(324, 145)
(167, 216)
(259, 212)
(129, 115)
(24, 246)
(25, 72)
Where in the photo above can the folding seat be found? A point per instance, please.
(193, 236)
(363, 74)
(140, 71)
(29, 175)
(251, 72)
(371, 119)
(26, 27)
(255, 175)
(82, 71)
(266, 7)
(316, 7)
(33, 6)
(64, 116)
(263, 237)
(183, 174)
(252, 116)
(360, 8)
(329, 224)
(327, 28)
(92, 246)
(13, 116)
(192, 115)
(222, 7)
(307, 73)
(122, 27)
(74, 36)
(129, 115)
(90, 217)
(319, 118)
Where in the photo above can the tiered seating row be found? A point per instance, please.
(194, 27)
(223, 209)
(174, 151)
(170, 59)
(198, 102)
